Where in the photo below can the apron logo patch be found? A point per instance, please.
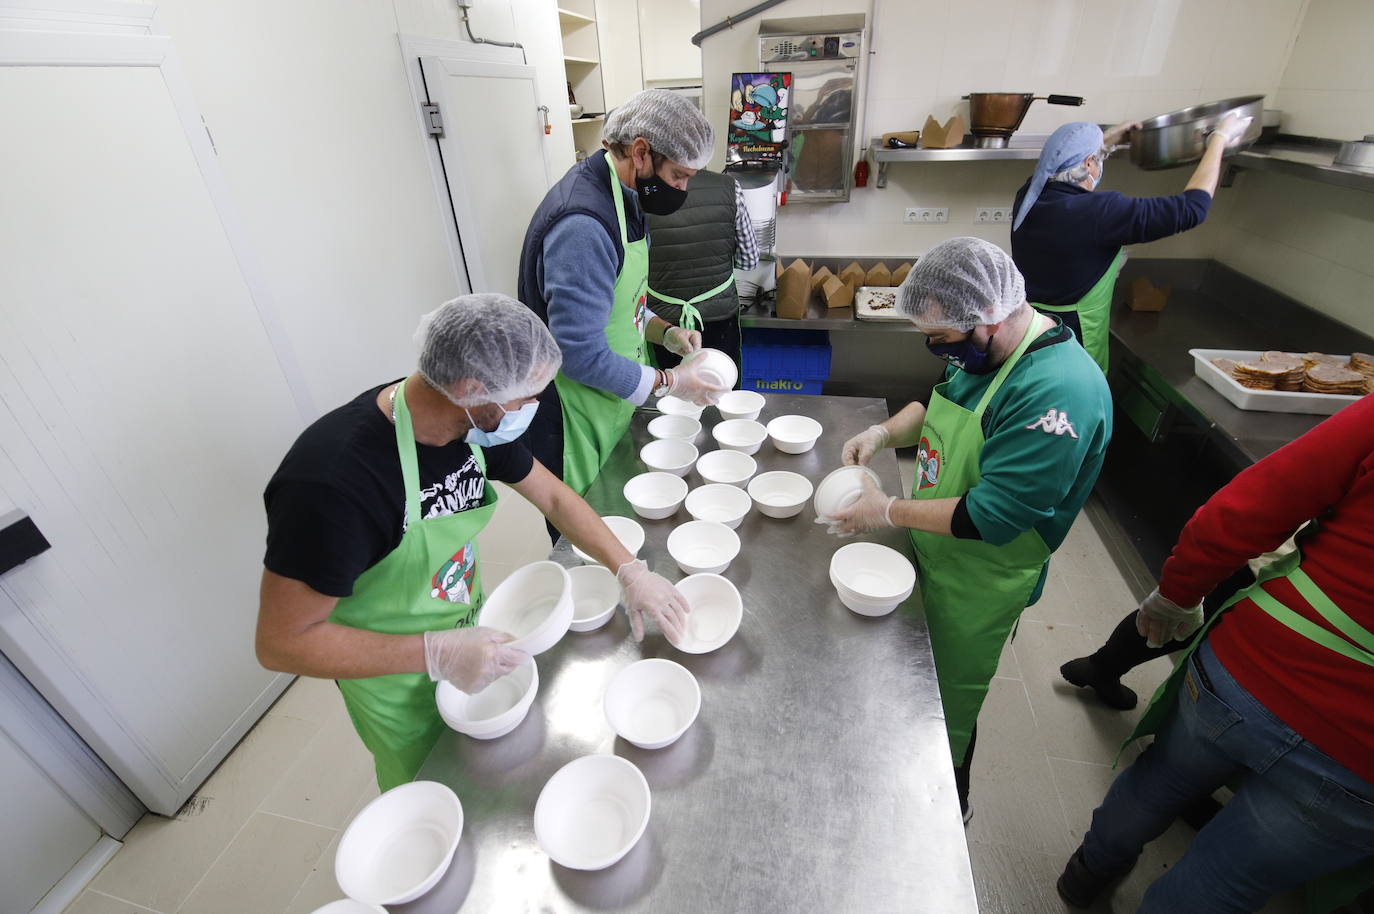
(928, 464)
(453, 580)
(1054, 422)
(641, 314)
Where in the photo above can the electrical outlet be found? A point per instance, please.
(992, 214)
(925, 215)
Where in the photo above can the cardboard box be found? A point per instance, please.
(899, 275)
(819, 277)
(880, 275)
(905, 137)
(935, 135)
(837, 294)
(853, 275)
(794, 290)
(1144, 296)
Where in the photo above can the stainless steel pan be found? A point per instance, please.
(1179, 137)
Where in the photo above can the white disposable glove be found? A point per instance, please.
(471, 658)
(861, 448)
(872, 511)
(1161, 620)
(681, 341)
(644, 592)
(1231, 129)
(687, 383)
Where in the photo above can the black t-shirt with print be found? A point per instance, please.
(336, 505)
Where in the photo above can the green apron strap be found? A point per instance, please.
(691, 317)
(618, 197)
(1309, 629)
(410, 463)
(1330, 611)
(1094, 313)
(1005, 371)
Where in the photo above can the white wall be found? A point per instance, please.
(622, 65)
(1328, 87)
(666, 27)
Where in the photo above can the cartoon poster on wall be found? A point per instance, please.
(758, 116)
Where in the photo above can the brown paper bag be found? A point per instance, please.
(935, 135)
(880, 275)
(909, 137)
(1145, 296)
(899, 274)
(853, 275)
(837, 294)
(794, 290)
(819, 277)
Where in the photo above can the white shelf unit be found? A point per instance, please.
(582, 68)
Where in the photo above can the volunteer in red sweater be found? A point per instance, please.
(1275, 698)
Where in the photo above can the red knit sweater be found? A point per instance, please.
(1327, 474)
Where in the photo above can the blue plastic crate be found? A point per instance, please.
(784, 361)
(783, 385)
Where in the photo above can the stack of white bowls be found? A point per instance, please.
(496, 710)
(871, 580)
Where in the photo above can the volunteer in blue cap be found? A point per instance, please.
(1067, 240)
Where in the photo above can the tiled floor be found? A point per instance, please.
(260, 835)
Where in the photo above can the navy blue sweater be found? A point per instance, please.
(1071, 235)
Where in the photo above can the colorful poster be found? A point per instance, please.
(758, 116)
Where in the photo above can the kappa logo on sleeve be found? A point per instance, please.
(1055, 422)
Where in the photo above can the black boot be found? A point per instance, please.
(1079, 886)
(1109, 690)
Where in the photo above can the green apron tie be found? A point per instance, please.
(1094, 313)
(691, 317)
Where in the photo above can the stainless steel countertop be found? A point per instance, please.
(816, 779)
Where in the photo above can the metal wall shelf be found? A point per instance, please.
(1022, 146)
(1303, 157)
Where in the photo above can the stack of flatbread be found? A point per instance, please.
(1363, 362)
(1331, 379)
(1273, 370)
(1312, 359)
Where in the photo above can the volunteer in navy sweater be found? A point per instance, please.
(1066, 239)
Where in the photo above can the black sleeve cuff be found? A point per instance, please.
(961, 524)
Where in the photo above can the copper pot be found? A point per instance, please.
(999, 114)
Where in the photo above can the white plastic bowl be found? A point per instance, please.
(744, 435)
(719, 502)
(858, 604)
(651, 703)
(716, 612)
(627, 530)
(534, 604)
(703, 547)
(794, 434)
(591, 812)
(676, 406)
(715, 366)
(494, 711)
(684, 427)
(401, 843)
(871, 579)
(740, 404)
(349, 906)
(841, 489)
(655, 496)
(669, 455)
(596, 593)
(779, 493)
(730, 467)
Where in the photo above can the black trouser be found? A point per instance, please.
(1126, 648)
(961, 772)
(721, 334)
(545, 439)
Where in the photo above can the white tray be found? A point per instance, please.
(863, 307)
(1274, 401)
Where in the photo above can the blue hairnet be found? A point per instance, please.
(1068, 146)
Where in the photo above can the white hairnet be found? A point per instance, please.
(961, 283)
(672, 125)
(491, 338)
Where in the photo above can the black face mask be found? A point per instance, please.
(658, 197)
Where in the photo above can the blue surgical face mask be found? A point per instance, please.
(964, 354)
(512, 425)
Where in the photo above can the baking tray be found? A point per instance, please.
(1274, 401)
(863, 304)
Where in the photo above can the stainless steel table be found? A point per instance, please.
(817, 778)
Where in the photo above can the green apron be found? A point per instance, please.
(594, 419)
(1335, 889)
(973, 591)
(691, 317)
(429, 582)
(1094, 313)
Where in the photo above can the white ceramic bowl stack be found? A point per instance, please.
(591, 812)
(740, 404)
(684, 427)
(496, 710)
(871, 580)
(841, 489)
(628, 531)
(715, 366)
(730, 467)
(596, 594)
(703, 547)
(669, 455)
(401, 843)
(676, 406)
(349, 906)
(534, 604)
(719, 502)
(743, 435)
(655, 496)
(794, 434)
(651, 703)
(780, 493)
(716, 612)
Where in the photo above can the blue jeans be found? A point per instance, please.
(1297, 814)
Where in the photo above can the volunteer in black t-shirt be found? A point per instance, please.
(371, 574)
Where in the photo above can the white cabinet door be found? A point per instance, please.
(142, 409)
(495, 159)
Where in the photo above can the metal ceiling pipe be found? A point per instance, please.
(730, 21)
